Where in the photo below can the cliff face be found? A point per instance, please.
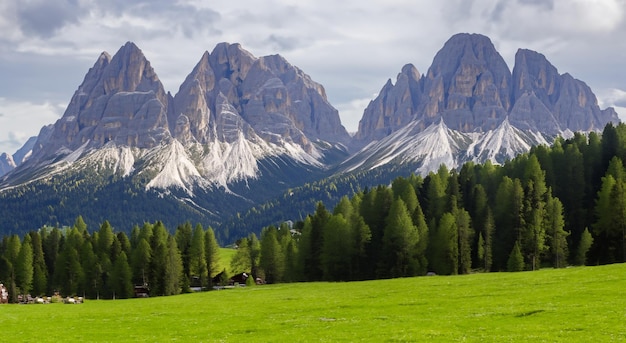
(121, 99)
(229, 95)
(268, 95)
(471, 89)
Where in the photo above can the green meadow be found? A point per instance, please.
(582, 304)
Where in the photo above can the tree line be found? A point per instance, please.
(552, 207)
(105, 264)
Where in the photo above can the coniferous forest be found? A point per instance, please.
(552, 207)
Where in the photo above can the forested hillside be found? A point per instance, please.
(552, 207)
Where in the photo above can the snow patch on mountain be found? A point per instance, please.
(438, 144)
(173, 168)
(503, 143)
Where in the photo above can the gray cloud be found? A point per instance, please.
(283, 43)
(544, 4)
(45, 18)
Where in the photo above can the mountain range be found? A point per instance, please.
(241, 130)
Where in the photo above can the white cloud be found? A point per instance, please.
(352, 111)
(615, 98)
(22, 120)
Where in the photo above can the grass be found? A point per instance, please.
(226, 255)
(583, 304)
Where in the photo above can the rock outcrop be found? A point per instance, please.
(120, 99)
(276, 99)
(471, 89)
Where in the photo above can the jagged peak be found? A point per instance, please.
(411, 71)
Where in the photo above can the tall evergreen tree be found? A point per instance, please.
(24, 266)
(533, 232)
(211, 254)
(337, 249)
(173, 269)
(121, 278)
(183, 237)
(400, 240)
(272, 258)
(445, 256)
(421, 249)
(197, 256)
(515, 262)
(465, 235)
(40, 273)
(554, 224)
(140, 261)
(586, 240)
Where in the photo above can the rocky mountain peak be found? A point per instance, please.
(121, 99)
(231, 61)
(549, 102)
(6, 163)
(467, 84)
(270, 95)
(393, 108)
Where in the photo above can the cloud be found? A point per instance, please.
(352, 111)
(24, 119)
(44, 18)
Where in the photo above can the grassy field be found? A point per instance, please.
(226, 254)
(584, 304)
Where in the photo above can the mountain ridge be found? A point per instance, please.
(242, 129)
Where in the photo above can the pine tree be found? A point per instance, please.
(400, 240)
(40, 273)
(554, 224)
(516, 260)
(211, 254)
(24, 266)
(272, 258)
(121, 278)
(197, 257)
(423, 241)
(465, 235)
(337, 249)
(446, 248)
(140, 260)
(183, 236)
(254, 248)
(173, 271)
(533, 232)
(586, 241)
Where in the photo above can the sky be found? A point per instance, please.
(351, 47)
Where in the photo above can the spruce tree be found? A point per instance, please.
(40, 273)
(173, 269)
(585, 243)
(555, 223)
(272, 259)
(24, 266)
(211, 254)
(121, 278)
(516, 260)
(197, 256)
(337, 249)
(400, 240)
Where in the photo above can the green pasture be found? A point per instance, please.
(583, 304)
(226, 255)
